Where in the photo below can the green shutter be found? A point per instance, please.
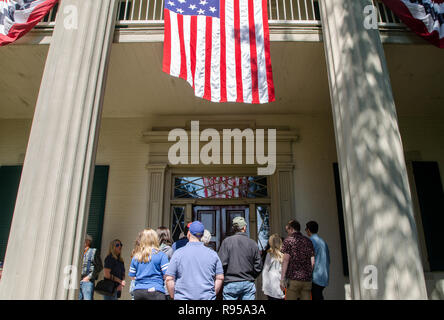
(431, 202)
(9, 182)
(97, 205)
(341, 219)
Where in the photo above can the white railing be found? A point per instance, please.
(386, 17)
(49, 19)
(283, 12)
(294, 12)
(132, 12)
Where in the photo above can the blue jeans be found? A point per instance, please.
(241, 290)
(131, 289)
(86, 291)
(110, 297)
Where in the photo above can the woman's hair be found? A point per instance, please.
(206, 237)
(112, 250)
(136, 244)
(148, 241)
(164, 236)
(275, 243)
(294, 224)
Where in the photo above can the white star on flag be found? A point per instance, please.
(171, 3)
(182, 1)
(222, 60)
(180, 11)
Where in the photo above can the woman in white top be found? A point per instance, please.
(271, 273)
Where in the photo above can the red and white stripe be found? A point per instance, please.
(225, 187)
(226, 59)
(23, 20)
(416, 18)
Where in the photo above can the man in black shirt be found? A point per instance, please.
(242, 263)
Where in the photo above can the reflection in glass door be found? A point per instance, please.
(218, 220)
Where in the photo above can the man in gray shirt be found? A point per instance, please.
(242, 263)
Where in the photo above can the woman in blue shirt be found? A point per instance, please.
(148, 267)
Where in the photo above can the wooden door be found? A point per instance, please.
(218, 220)
(210, 218)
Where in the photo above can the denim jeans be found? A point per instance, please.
(86, 291)
(131, 289)
(114, 297)
(241, 290)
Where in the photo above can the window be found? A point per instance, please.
(178, 221)
(263, 225)
(220, 187)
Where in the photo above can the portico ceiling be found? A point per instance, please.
(136, 86)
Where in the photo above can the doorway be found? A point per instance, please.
(218, 221)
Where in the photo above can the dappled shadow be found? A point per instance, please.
(380, 226)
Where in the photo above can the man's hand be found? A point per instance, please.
(123, 283)
(219, 282)
(170, 285)
(283, 285)
(86, 279)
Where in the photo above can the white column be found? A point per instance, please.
(51, 212)
(382, 242)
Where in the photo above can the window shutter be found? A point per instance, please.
(341, 219)
(97, 205)
(9, 184)
(431, 203)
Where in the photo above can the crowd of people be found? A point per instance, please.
(292, 268)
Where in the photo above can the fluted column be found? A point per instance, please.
(51, 213)
(382, 242)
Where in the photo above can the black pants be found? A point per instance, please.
(146, 295)
(316, 292)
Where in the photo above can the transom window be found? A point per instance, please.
(220, 187)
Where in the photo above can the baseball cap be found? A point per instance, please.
(197, 229)
(239, 222)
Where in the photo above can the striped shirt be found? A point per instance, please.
(149, 275)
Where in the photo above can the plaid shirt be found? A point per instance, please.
(300, 249)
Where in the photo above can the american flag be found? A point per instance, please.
(225, 187)
(221, 48)
(17, 17)
(424, 17)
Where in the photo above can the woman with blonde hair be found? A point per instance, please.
(148, 267)
(271, 273)
(136, 245)
(114, 268)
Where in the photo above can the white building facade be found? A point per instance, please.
(84, 121)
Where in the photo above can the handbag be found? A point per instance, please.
(106, 287)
